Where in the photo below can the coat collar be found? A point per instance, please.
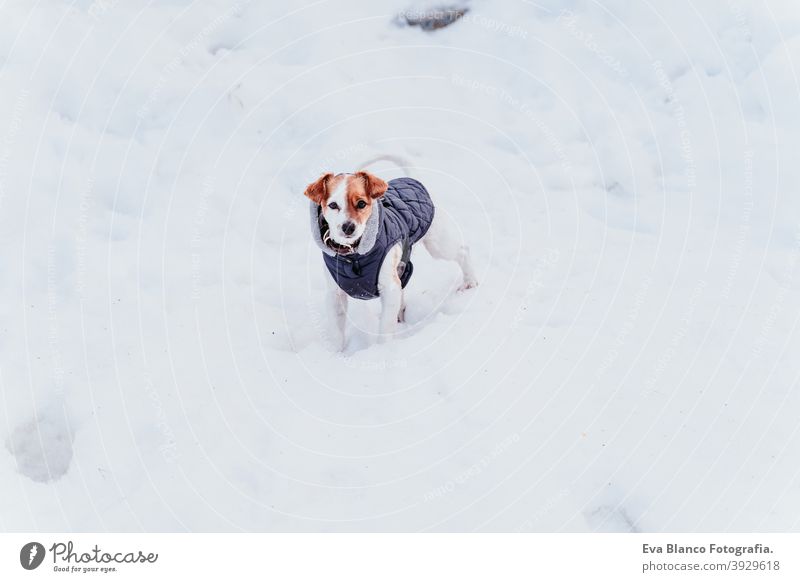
(368, 239)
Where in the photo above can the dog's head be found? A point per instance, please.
(346, 201)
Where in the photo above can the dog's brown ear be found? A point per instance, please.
(375, 186)
(318, 191)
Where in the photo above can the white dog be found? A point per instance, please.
(366, 229)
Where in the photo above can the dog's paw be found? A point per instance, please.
(470, 284)
(336, 342)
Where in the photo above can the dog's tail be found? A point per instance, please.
(399, 161)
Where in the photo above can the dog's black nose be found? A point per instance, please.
(348, 228)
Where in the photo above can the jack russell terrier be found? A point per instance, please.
(366, 229)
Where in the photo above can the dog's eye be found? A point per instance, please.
(361, 204)
(333, 206)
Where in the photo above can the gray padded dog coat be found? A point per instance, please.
(402, 215)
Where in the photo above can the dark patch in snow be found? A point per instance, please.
(433, 18)
(617, 189)
(42, 446)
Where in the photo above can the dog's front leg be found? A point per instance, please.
(391, 292)
(337, 309)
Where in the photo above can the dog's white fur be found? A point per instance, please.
(439, 241)
(337, 218)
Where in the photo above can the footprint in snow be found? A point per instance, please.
(607, 518)
(42, 446)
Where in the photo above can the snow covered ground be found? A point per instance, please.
(626, 174)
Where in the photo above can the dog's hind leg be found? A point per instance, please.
(442, 244)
